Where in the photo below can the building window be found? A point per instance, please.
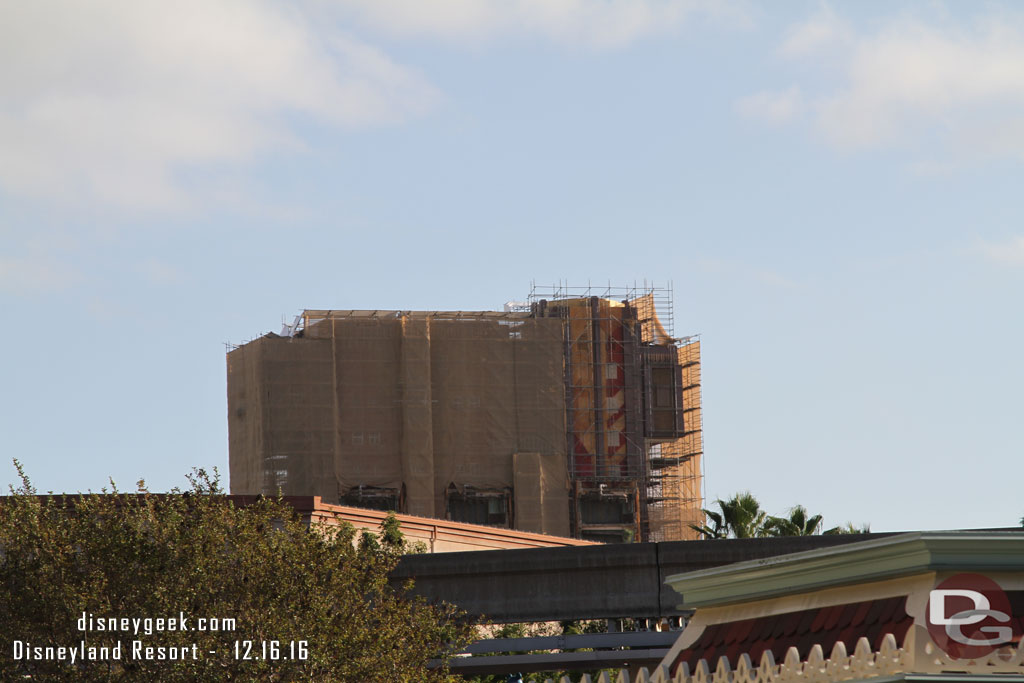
(479, 506)
(606, 509)
(371, 497)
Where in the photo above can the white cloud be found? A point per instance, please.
(1010, 253)
(913, 76)
(956, 87)
(31, 275)
(109, 100)
(825, 31)
(594, 23)
(773, 107)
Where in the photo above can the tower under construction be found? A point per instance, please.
(575, 412)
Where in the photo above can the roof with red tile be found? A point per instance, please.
(804, 629)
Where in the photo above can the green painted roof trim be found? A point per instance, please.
(878, 559)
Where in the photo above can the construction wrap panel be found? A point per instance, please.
(299, 403)
(417, 422)
(497, 388)
(368, 403)
(541, 488)
(281, 402)
(539, 389)
(245, 420)
(474, 421)
(527, 486)
(410, 403)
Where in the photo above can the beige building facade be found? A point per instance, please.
(576, 416)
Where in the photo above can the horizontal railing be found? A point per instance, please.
(918, 654)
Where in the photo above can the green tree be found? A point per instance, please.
(740, 517)
(848, 528)
(311, 605)
(799, 523)
(716, 530)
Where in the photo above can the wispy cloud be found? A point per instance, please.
(915, 76)
(773, 107)
(33, 275)
(912, 80)
(1010, 252)
(823, 32)
(107, 101)
(608, 23)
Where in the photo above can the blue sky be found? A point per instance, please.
(832, 188)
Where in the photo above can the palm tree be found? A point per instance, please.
(798, 523)
(744, 517)
(741, 517)
(848, 528)
(717, 531)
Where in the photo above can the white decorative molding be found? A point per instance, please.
(918, 654)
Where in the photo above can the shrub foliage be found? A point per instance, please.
(306, 605)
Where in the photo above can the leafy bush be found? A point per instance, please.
(307, 606)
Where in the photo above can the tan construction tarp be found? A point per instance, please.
(402, 400)
(541, 488)
(418, 402)
(417, 421)
(280, 413)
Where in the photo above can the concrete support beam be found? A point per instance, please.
(559, 661)
(584, 582)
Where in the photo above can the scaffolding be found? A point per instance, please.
(675, 491)
(633, 410)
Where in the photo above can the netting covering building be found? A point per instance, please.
(572, 414)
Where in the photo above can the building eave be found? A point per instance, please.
(873, 560)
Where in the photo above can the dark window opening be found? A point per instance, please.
(608, 535)
(662, 392)
(598, 508)
(372, 498)
(479, 506)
